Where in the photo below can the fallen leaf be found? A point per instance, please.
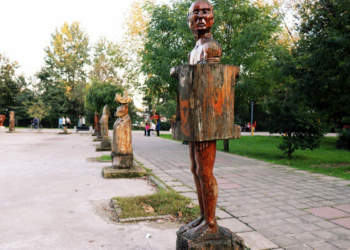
(148, 209)
(190, 205)
(76, 190)
(90, 241)
(180, 214)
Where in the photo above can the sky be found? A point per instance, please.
(26, 25)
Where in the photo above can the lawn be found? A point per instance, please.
(325, 160)
(161, 203)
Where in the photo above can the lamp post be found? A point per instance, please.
(251, 119)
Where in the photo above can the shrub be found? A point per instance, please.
(343, 139)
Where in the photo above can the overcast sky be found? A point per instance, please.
(26, 25)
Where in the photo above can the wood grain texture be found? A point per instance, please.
(12, 121)
(2, 119)
(205, 102)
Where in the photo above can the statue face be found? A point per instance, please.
(122, 110)
(200, 17)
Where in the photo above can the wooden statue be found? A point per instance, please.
(2, 119)
(97, 125)
(12, 121)
(104, 127)
(122, 152)
(205, 114)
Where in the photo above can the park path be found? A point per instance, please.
(270, 206)
(52, 197)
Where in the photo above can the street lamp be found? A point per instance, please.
(251, 119)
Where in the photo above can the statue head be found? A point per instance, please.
(200, 17)
(123, 110)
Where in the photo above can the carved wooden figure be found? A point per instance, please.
(205, 114)
(12, 121)
(2, 119)
(122, 152)
(97, 124)
(104, 127)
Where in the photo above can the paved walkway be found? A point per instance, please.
(270, 206)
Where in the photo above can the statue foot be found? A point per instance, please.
(192, 224)
(201, 230)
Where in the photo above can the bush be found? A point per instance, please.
(343, 139)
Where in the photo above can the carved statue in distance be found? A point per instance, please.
(122, 152)
(12, 121)
(97, 125)
(104, 127)
(2, 119)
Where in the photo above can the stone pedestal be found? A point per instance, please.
(2, 127)
(133, 172)
(12, 122)
(223, 240)
(106, 144)
(122, 161)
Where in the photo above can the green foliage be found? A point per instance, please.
(343, 139)
(323, 57)
(101, 94)
(163, 202)
(167, 109)
(9, 83)
(246, 31)
(66, 60)
(298, 123)
(38, 109)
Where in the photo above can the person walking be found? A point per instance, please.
(146, 128)
(152, 128)
(79, 121)
(63, 122)
(82, 121)
(158, 127)
(68, 122)
(60, 123)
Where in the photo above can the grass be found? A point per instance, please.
(104, 158)
(163, 202)
(325, 160)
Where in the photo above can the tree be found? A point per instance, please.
(53, 94)
(38, 108)
(299, 124)
(9, 83)
(247, 31)
(323, 58)
(66, 60)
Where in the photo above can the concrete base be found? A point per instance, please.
(106, 144)
(112, 173)
(93, 134)
(223, 240)
(64, 133)
(12, 132)
(2, 127)
(122, 161)
(96, 139)
(103, 149)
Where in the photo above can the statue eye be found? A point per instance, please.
(195, 12)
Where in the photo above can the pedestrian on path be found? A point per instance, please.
(60, 123)
(158, 127)
(146, 128)
(82, 121)
(79, 121)
(63, 122)
(152, 128)
(68, 122)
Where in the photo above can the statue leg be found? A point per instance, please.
(200, 219)
(205, 157)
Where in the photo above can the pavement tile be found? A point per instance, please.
(182, 189)
(341, 243)
(191, 195)
(248, 174)
(271, 233)
(259, 225)
(291, 229)
(219, 181)
(306, 238)
(344, 207)
(234, 225)
(228, 186)
(286, 241)
(340, 231)
(322, 246)
(343, 222)
(256, 241)
(308, 227)
(327, 212)
(222, 214)
(325, 235)
(302, 247)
